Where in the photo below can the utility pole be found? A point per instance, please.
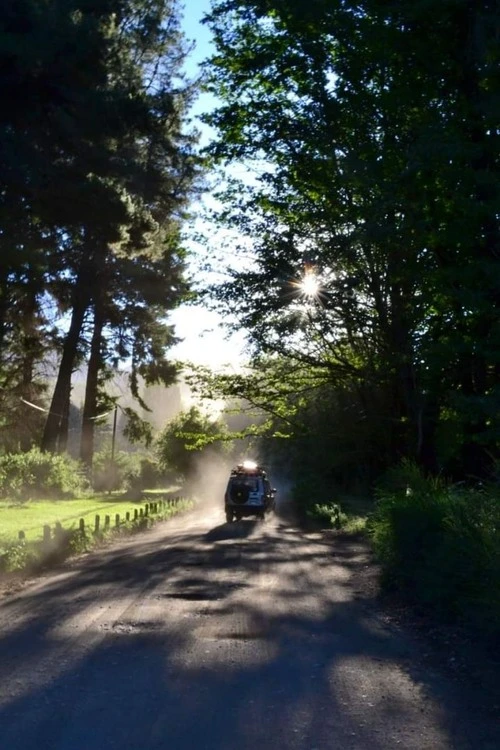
(113, 439)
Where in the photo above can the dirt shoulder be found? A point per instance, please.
(468, 659)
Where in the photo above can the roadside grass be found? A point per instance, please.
(32, 516)
(439, 546)
(67, 538)
(347, 513)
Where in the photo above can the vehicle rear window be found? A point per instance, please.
(250, 482)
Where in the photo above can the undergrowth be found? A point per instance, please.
(24, 476)
(346, 513)
(439, 545)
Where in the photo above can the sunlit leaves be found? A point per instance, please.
(378, 125)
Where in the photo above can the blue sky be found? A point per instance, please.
(199, 36)
(204, 341)
(194, 10)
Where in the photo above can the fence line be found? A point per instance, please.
(147, 510)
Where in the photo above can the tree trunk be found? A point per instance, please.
(90, 405)
(62, 440)
(4, 306)
(55, 424)
(30, 348)
(427, 424)
(480, 449)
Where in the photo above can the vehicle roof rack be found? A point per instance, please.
(246, 468)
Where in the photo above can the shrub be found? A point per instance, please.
(127, 471)
(317, 499)
(34, 474)
(440, 546)
(328, 515)
(145, 476)
(113, 473)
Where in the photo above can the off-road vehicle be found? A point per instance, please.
(248, 493)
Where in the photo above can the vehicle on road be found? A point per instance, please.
(248, 493)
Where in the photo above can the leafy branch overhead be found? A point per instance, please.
(270, 393)
(369, 132)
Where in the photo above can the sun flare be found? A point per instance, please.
(309, 285)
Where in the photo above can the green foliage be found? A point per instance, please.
(35, 474)
(142, 473)
(329, 515)
(20, 556)
(150, 474)
(111, 473)
(187, 438)
(132, 472)
(312, 495)
(364, 176)
(96, 167)
(137, 430)
(439, 545)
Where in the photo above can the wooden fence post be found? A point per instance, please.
(146, 510)
(127, 515)
(136, 513)
(21, 536)
(117, 519)
(107, 521)
(97, 523)
(82, 526)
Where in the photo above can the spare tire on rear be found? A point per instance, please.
(239, 493)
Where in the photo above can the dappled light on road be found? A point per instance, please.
(201, 634)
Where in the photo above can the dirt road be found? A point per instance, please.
(206, 636)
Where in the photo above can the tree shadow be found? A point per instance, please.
(298, 664)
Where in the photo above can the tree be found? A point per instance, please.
(95, 170)
(304, 425)
(21, 377)
(130, 302)
(130, 204)
(188, 438)
(371, 131)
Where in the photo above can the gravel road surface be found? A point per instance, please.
(200, 635)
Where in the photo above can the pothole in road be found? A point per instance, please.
(135, 626)
(189, 591)
(194, 596)
(256, 635)
(205, 612)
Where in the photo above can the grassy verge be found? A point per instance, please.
(348, 513)
(66, 535)
(439, 547)
(32, 516)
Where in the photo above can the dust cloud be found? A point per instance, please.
(208, 481)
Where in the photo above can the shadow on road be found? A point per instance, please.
(259, 644)
(235, 530)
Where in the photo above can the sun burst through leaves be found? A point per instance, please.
(309, 285)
